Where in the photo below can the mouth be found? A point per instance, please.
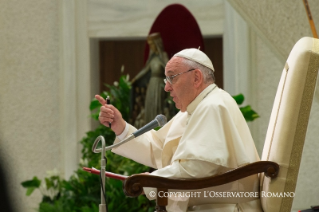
(173, 98)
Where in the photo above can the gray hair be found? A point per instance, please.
(208, 74)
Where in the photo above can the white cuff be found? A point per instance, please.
(124, 133)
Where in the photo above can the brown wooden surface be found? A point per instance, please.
(133, 185)
(214, 50)
(160, 208)
(114, 54)
(161, 202)
(130, 53)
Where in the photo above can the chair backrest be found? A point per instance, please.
(288, 124)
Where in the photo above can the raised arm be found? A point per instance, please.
(110, 114)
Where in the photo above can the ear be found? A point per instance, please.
(198, 79)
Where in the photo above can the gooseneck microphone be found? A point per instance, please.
(159, 121)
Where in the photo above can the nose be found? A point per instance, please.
(168, 87)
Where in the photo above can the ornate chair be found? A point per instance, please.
(284, 140)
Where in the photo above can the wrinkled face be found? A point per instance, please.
(181, 89)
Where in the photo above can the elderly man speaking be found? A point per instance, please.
(208, 136)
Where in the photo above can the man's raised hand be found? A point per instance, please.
(109, 114)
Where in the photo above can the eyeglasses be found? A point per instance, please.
(170, 79)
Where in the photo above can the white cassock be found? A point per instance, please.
(212, 137)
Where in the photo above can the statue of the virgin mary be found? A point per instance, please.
(154, 71)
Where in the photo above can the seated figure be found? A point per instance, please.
(208, 136)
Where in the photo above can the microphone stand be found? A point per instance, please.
(102, 206)
(159, 120)
(112, 146)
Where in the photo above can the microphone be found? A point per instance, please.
(159, 121)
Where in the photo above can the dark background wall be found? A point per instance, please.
(130, 53)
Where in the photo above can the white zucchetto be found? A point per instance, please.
(197, 56)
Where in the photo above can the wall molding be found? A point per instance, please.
(74, 81)
(236, 50)
(258, 31)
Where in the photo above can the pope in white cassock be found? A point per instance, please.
(208, 136)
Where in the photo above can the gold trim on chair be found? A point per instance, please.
(281, 95)
(302, 124)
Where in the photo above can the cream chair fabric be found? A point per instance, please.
(288, 124)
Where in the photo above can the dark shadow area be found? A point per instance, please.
(5, 201)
